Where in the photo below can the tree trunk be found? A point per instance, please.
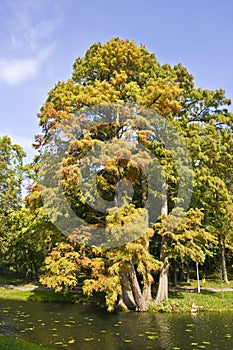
(181, 273)
(174, 274)
(136, 291)
(147, 288)
(162, 293)
(223, 263)
(126, 299)
(187, 278)
(146, 293)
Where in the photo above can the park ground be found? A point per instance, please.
(214, 295)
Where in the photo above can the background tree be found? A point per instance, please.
(187, 240)
(208, 126)
(11, 174)
(32, 237)
(11, 177)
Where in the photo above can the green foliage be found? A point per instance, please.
(61, 268)
(117, 57)
(11, 175)
(30, 237)
(187, 238)
(207, 124)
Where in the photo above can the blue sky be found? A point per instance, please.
(39, 41)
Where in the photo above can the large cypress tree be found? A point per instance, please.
(119, 74)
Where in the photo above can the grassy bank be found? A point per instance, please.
(205, 301)
(180, 300)
(213, 297)
(206, 283)
(35, 295)
(7, 343)
(50, 296)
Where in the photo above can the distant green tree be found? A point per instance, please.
(11, 177)
(208, 128)
(32, 237)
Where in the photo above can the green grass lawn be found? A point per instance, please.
(206, 283)
(7, 343)
(40, 295)
(204, 301)
(50, 296)
(179, 301)
(25, 295)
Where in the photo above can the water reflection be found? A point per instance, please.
(77, 327)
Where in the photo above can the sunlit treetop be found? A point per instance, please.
(116, 58)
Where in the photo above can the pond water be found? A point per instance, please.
(78, 327)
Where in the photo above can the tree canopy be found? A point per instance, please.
(118, 73)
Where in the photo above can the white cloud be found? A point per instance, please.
(28, 39)
(17, 70)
